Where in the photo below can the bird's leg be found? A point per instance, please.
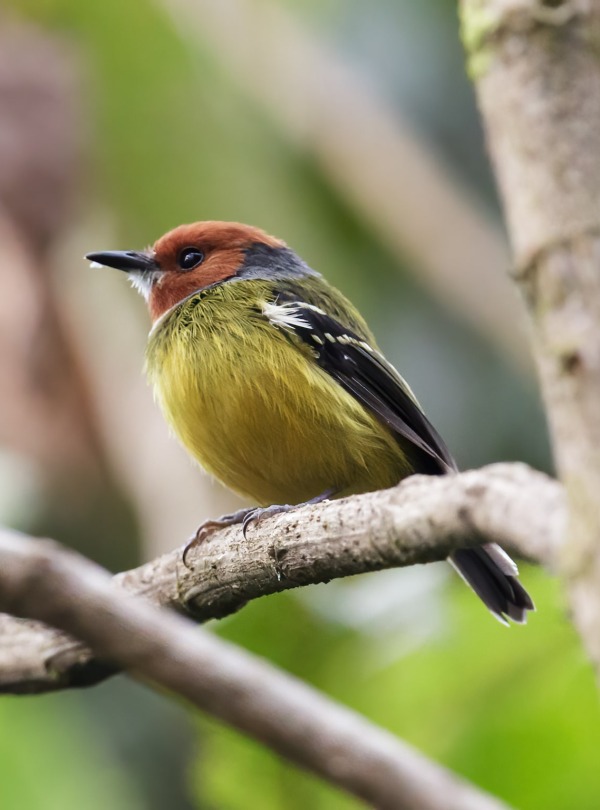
(246, 517)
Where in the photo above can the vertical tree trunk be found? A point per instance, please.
(536, 67)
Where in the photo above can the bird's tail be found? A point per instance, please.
(492, 574)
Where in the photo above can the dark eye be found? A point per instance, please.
(189, 258)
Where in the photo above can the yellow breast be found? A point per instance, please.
(254, 408)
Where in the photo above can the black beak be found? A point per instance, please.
(127, 260)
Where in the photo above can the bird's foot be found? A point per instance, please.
(246, 517)
(209, 527)
(257, 514)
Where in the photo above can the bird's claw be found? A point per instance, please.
(203, 533)
(247, 521)
(209, 527)
(256, 515)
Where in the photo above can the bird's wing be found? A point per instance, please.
(350, 356)
(363, 371)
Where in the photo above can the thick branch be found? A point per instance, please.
(41, 581)
(421, 520)
(537, 72)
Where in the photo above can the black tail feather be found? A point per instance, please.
(493, 576)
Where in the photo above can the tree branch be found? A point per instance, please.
(421, 520)
(46, 412)
(41, 581)
(537, 73)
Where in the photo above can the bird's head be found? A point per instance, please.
(203, 254)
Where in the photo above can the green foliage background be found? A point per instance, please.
(175, 140)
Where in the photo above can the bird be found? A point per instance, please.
(274, 383)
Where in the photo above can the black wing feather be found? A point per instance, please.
(365, 373)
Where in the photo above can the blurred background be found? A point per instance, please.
(349, 129)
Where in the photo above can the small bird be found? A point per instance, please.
(273, 381)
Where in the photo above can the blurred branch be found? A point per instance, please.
(537, 72)
(367, 151)
(45, 409)
(422, 520)
(41, 141)
(40, 580)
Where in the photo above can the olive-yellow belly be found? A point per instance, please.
(259, 414)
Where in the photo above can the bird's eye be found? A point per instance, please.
(189, 258)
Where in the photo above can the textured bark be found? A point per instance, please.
(421, 520)
(536, 67)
